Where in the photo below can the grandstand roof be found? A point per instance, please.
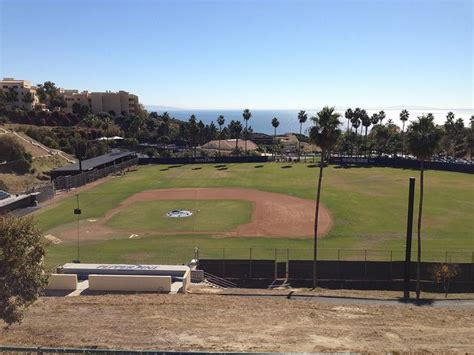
(93, 163)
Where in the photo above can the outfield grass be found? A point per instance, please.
(368, 206)
(207, 215)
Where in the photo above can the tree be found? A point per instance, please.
(28, 98)
(404, 115)
(21, 266)
(220, 122)
(193, 130)
(349, 115)
(423, 139)
(365, 119)
(302, 118)
(381, 116)
(470, 137)
(444, 273)
(275, 124)
(49, 94)
(325, 133)
(235, 129)
(246, 115)
(11, 96)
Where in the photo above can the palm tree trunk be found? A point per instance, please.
(403, 139)
(220, 136)
(316, 222)
(274, 144)
(299, 143)
(366, 147)
(420, 210)
(246, 137)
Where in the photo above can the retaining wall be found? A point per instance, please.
(130, 283)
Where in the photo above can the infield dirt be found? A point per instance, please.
(274, 214)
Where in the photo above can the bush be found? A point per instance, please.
(3, 186)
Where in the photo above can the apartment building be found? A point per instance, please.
(19, 93)
(117, 103)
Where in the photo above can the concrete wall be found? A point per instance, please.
(62, 282)
(186, 281)
(132, 283)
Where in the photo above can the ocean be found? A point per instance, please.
(261, 119)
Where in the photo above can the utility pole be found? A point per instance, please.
(411, 200)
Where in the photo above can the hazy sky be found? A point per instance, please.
(247, 53)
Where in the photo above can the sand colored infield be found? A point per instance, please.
(274, 214)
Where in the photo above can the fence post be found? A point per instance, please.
(365, 264)
(391, 264)
(250, 263)
(223, 262)
(275, 265)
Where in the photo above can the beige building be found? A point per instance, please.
(25, 96)
(117, 102)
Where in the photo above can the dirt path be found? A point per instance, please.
(274, 214)
(215, 323)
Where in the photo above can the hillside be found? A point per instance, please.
(44, 159)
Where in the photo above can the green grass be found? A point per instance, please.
(208, 215)
(368, 206)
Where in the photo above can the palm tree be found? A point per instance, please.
(235, 128)
(349, 114)
(275, 124)
(404, 115)
(381, 116)
(246, 115)
(356, 119)
(325, 134)
(193, 132)
(423, 139)
(302, 117)
(220, 122)
(365, 119)
(471, 141)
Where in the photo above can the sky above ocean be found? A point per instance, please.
(261, 54)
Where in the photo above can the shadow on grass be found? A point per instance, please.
(258, 166)
(349, 166)
(164, 169)
(175, 166)
(286, 166)
(220, 169)
(220, 166)
(197, 168)
(311, 166)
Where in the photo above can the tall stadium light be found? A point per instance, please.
(78, 212)
(411, 200)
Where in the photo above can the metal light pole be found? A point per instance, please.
(77, 212)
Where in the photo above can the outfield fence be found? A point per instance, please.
(185, 255)
(86, 177)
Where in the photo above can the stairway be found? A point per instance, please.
(217, 282)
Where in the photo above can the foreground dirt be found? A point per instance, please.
(236, 323)
(274, 214)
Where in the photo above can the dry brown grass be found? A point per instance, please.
(235, 323)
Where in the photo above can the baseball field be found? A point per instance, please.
(264, 207)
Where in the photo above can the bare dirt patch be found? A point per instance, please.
(245, 324)
(274, 214)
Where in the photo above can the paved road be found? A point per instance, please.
(358, 300)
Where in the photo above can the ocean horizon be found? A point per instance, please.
(261, 119)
